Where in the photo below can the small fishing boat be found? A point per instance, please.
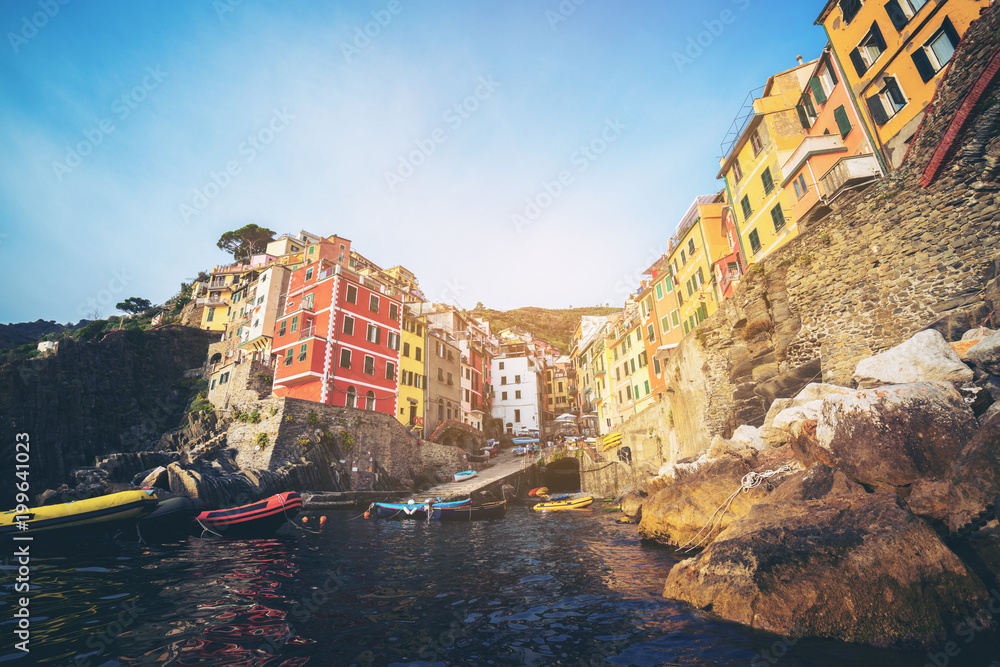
(464, 475)
(172, 517)
(471, 512)
(92, 515)
(565, 504)
(411, 509)
(262, 517)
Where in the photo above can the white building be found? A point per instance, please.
(517, 396)
(265, 299)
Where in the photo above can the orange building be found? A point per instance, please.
(837, 153)
(893, 54)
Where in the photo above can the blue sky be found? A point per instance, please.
(511, 152)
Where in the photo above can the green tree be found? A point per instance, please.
(133, 305)
(246, 241)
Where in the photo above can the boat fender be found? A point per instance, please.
(322, 520)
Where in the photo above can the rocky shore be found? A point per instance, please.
(879, 524)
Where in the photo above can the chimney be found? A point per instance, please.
(799, 58)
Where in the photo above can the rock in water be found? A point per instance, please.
(925, 357)
(822, 557)
(680, 510)
(891, 435)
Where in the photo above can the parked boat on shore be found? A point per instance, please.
(464, 475)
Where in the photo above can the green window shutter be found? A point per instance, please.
(817, 90)
(843, 123)
(877, 109)
(803, 118)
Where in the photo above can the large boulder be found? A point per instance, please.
(678, 512)
(783, 421)
(225, 489)
(822, 557)
(890, 436)
(925, 357)
(972, 482)
(748, 437)
(720, 447)
(986, 354)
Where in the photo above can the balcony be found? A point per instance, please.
(209, 301)
(849, 171)
(310, 332)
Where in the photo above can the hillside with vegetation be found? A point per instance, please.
(553, 325)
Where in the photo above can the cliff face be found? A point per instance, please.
(94, 398)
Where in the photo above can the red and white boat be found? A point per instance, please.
(262, 517)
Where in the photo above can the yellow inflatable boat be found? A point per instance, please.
(123, 506)
(567, 504)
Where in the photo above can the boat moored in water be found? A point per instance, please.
(113, 510)
(262, 517)
(565, 504)
(411, 509)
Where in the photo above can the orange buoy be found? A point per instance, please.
(322, 520)
(367, 515)
(305, 519)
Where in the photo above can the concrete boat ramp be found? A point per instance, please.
(518, 472)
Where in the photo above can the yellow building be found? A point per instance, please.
(698, 242)
(893, 55)
(752, 165)
(412, 376)
(218, 295)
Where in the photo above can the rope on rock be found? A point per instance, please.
(750, 481)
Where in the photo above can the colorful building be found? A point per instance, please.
(893, 55)
(216, 294)
(836, 154)
(694, 248)
(412, 385)
(337, 341)
(731, 266)
(444, 383)
(661, 322)
(763, 137)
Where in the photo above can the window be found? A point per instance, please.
(686, 327)
(767, 180)
(690, 287)
(665, 324)
(369, 368)
(745, 204)
(352, 397)
(827, 78)
(503, 379)
(517, 379)
(390, 370)
(440, 410)
(632, 362)
(756, 143)
(647, 387)
(517, 415)
(420, 330)
(650, 332)
(668, 284)
(501, 365)
(417, 353)
(737, 176)
(374, 334)
(370, 400)
(868, 50)
(816, 86)
(618, 375)
(211, 315)
(451, 380)
(392, 340)
(684, 258)
(936, 53)
(659, 291)
(352, 294)
(777, 217)
(281, 329)
(843, 122)
(628, 392)
(393, 311)
(849, 8)
(295, 323)
(800, 186)
(701, 277)
(503, 396)
(406, 349)
(754, 242)
(289, 355)
(373, 303)
(348, 328)
(302, 351)
(440, 375)
(309, 272)
(517, 394)
(901, 11)
(691, 247)
(887, 102)
(656, 365)
(467, 396)
(675, 318)
(345, 358)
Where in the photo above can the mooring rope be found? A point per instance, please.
(750, 481)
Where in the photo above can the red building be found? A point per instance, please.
(337, 341)
(729, 268)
